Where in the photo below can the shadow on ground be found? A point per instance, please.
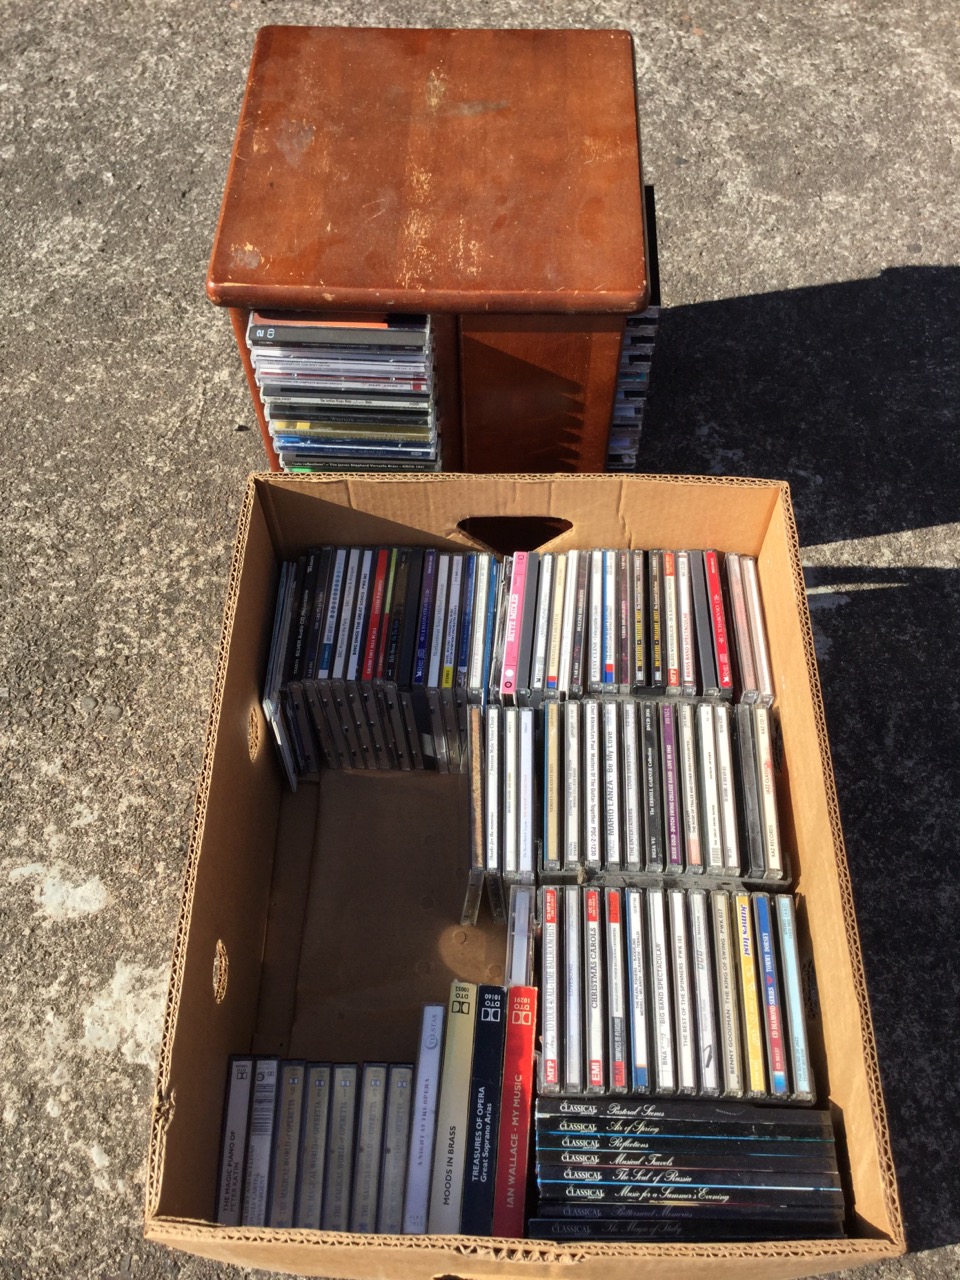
(849, 391)
(852, 393)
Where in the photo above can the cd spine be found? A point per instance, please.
(286, 1147)
(573, 1081)
(592, 786)
(554, 799)
(703, 981)
(256, 1174)
(771, 988)
(396, 1139)
(341, 1133)
(728, 1004)
(313, 1144)
(366, 1174)
(423, 1121)
(632, 807)
(550, 1023)
(665, 1078)
(493, 817)
(612, 800)
(638, 988)
(512, 637)
(718, 620)
(756, 1081)
(803, 1090)
(516, 1105)
(685, 1022)
(593, 992)
(572, 788)
(483, 1114)
(446, 1192)
(616, 995)
(234, 1141)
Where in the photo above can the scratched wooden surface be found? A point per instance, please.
(435, 170)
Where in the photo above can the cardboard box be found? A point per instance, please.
(317, 924)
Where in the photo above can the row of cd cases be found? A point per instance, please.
(633, 385)
(357, 392)
(622, 791)
(377, 652)
(667, 991)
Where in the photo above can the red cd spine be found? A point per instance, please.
(516, 1104)
(720, 637)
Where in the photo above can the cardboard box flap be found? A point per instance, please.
(599, 511)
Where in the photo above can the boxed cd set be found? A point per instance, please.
(517, 935)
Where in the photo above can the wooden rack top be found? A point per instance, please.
(435, 170)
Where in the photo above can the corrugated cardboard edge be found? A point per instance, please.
(890, 1193)
(211, 1240)
(617, 480)
(215, 1242)
(163, 1098)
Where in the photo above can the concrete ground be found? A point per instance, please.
(805, 164)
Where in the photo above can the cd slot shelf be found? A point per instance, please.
(441, 419)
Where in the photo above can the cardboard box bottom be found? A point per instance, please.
(317, 924)
(364, 924)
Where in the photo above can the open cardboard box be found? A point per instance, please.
(317, 924)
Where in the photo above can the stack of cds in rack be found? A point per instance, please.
(633, 383)
(346, 392)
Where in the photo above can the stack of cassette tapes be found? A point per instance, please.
(633, 384)
(615, 1169)
(441, 1147)
(314, 1144)
(346, 392)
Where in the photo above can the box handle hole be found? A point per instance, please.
(506, 534)
(254, 731)
(220, 966)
